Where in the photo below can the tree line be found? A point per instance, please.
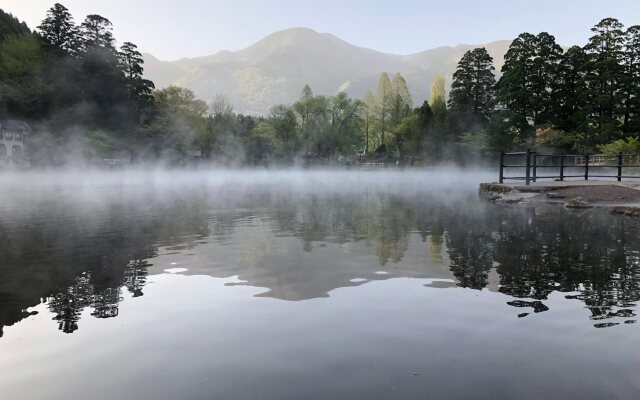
(585, 99)
(87, 100)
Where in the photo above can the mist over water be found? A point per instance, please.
(288, 284)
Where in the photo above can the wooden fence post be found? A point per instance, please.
(501, 177)
(535, 165)
(619, 166)
(586, 167)
(527, 167)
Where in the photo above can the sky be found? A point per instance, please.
(171, 29)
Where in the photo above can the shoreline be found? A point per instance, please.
(620, 198)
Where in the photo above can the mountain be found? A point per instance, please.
(275, 69)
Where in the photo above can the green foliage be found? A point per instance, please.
(438, 94)
(69, 80)
(628, 146)
(476, 144)
(99, 145)
(529, 77)
(21, 65)
(508, 130)
(59, 30)
(473, 86)
(603, 74)
(11, 26)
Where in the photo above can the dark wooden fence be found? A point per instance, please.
(568, 165)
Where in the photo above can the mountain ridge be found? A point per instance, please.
(274, 69)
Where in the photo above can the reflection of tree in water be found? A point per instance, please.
(593, 257)
(89, 260)
(83, 293)
(383, 220)
(540, 251)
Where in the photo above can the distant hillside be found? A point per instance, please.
(275, 69)
(11, 26)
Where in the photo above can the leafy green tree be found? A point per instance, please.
(440, 136)
(180, 123)
(438, 104)
(285, 127)
(21, 84)
(368, 116)
(402, 102)
(507, 130)
(59, 30)
(629, 146)
(384, 105)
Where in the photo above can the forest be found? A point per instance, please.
(87, 100)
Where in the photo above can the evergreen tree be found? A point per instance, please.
(59, 30)
(11, 26)
(529, 77)
(631, 83)
(513, 90)
(569, 99)
(603, 76)
(131, 64)
(97, 31)
(473, 86)
(544, 77)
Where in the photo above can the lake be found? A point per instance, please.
(309, 285)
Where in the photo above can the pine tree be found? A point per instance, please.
(603, 77)
(131, 64)
(97, 31)
(569, 99)
(529, 77)
(473, 86)
(544, 76)
(631, 83)
(59, 30)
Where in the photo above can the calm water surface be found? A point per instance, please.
(309, 285)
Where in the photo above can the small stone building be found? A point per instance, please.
(14, 135)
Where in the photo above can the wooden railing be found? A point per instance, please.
(585, 164)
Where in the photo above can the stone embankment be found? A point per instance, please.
(619, 197)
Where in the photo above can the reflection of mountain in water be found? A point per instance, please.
(304, 247)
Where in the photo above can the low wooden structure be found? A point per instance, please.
(582, 166)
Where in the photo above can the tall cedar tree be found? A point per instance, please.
(59, 30)
(570, 98)
(472, 94)
(631, 84)
(604, 77)
(529, 77)
(131, 61)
